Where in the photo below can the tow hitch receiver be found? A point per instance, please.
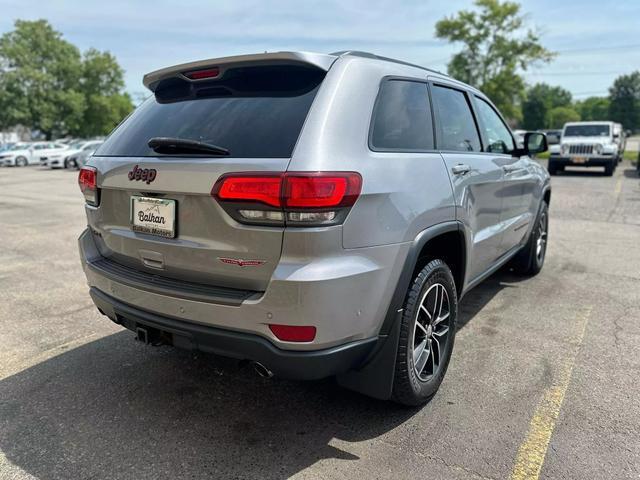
(152, 336)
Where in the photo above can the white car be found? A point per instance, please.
(25, 154)
(69, 158)
(586, 144)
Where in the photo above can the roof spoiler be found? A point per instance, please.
(219, 65)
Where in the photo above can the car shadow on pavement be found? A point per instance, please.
(114, 408)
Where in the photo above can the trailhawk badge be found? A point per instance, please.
(242, 263)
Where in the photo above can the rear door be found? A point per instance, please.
(519, 183)
(476, 177)
(256, 113)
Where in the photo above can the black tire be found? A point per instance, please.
(529, 261)
(609, 169)
(21, 162)
(67, 163)
(411, 387)
(552, 168)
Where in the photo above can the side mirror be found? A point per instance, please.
(535, 142)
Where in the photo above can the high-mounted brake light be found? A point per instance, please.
(201, 74)
(88, 182)
(302, 198)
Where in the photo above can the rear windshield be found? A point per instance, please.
(586, 131)
(254, 112)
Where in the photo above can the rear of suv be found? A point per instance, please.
(317, 215)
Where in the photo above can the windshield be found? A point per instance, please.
(254, 112)
(20, 146)
(586, 130)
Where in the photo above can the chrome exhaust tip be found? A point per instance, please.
(261, 370)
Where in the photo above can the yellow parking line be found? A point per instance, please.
(533, 449)
(618, 187)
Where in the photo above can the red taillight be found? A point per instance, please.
(200, 74)
(293, 333)
(321, 190)
(87, 179)
(250, 188)
(300, 198)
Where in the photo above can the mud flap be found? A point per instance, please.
(375, 377)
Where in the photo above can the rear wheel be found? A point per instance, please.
(427, 335)
(530, 259)
(21, 162)
(552, 168)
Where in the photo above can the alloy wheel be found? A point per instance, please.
(431, 331)
(541, 237)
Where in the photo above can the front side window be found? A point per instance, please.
(499, 139)
(402, 118)
(455, 123)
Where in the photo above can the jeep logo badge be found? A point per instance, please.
(145, 174)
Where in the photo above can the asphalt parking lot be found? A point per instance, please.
(543, 380)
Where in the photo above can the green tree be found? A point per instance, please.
(560, 115)
(624, 96)
(47, 86)
(593, 108)
(540, 100)
(496, 48)
(39, 79)
(102, 85)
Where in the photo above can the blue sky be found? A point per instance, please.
(595, 40)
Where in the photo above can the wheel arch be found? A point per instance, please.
(376, 374)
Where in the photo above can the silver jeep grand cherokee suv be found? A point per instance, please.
(318, 215)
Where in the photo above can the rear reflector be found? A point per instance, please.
(200, 74)
(87, 180)
(293, 333)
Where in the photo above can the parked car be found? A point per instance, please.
(314, 214)
(51, 152)
(24, 154)
(80, 159)
(586, 144)
(553, 136)
(519, 137)
(620, 139)
(68, 158)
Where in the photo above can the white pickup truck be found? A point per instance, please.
(587, 144)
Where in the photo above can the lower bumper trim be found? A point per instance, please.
(297, 365)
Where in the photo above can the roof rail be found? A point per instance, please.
(358, 53)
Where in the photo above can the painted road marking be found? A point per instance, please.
(618, 187)
(533, 449)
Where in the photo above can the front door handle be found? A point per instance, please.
(511, 168)
(460, 169)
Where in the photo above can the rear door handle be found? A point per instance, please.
(460, 169)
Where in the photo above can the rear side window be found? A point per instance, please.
(497, 135)
(254, 112)
(455, 123)
(402, 117)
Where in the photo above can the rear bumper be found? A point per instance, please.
(345, 297)
(298, 365)
(590, 161)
